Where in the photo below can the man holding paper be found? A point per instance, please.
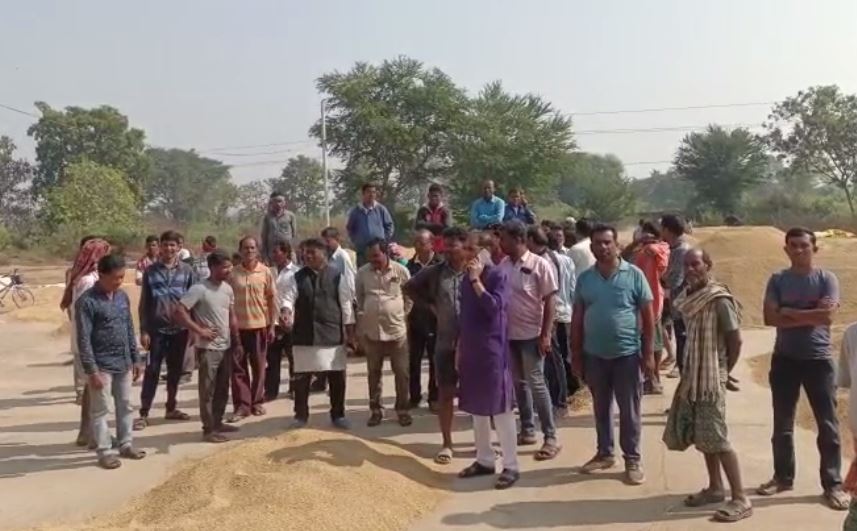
(316, 306)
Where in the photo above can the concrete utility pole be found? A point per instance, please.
(324, 162)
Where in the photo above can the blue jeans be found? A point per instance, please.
(528, 367)
(622, 379)
(116, 388)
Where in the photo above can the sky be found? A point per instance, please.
(209, 74)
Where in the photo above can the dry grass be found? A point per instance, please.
(299, 480)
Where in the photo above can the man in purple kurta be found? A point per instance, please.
(484, 368)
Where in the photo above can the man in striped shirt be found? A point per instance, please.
(256, 310)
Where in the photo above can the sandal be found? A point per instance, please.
(176, 415)
(258, 411)
(837, 499)
(772, 487)
(507, 479)
(704, 497)
(375, 418)
(526, 439)
(140, 423)
(109, 462)
(475, 470)
(444, 456)
(129, 452)
(734, 511)
(405, 420)
(548, 451)
(235, 418)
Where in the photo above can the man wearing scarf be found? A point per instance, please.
(698, 413)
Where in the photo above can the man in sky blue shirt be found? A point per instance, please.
(370, 220)
(488, 210)
(610, 300)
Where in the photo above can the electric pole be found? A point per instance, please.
(324, 162)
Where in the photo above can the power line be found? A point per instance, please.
(277, 152)
(19, 111)
(275, 144)
(657, 129)
(686, 108)
(644, 163)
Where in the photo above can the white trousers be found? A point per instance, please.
(507, 433)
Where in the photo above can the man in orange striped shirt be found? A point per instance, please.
(256, 312)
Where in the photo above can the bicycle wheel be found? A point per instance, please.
(22, 297)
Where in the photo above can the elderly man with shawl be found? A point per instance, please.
(82, 276)
(698, 413)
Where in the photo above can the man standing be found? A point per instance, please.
(533, 286)
(439, 288)
(611, 299)
(153, 245)
(164, 283)
(488, 210)
(279, 224)
(381, 329)
(317, 307)
(422, 325)
(282, 344)
(200, 263)
(434, 216)
(208, 310)
(698, 413)
(370, 220)
(672, 231)
(564, 303)
(801, 302)
(339, 257)
(652, 257)
(518, 209)
(256, 310)
(108, 353)
(485, 368)
(581, 252)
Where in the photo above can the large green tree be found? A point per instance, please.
(816, 131)
(16, 202)
(722, 165)
(101, 135)
(184, 186)
(394, 120)
(596, 186)
(91, 199)
(514, 140)
(251, 201)
(302, 182)
(663, 192)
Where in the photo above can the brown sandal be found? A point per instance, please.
(176, 415)
(548, 451)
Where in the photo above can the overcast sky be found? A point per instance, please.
(210, 74)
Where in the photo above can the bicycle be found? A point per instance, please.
(15, 288)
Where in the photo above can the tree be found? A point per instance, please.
(92, 199)
(16, 202)
(184, 186)
(663, 192)
(817, 131)
(252, 201)
(722, 165)
(302, 182)
(395, 121)
(101, 135)
(596, 186)
(513, 140)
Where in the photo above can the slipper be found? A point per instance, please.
(525, 439)
(507, 479)
(444, 456)
(109, 462)
(704, 497)
(475, 470)
(129, 452)
(176, 415)
(772, 487)
(837, 499)
(548, 451)
(235, 418)
(258, 411)
(733, 511)
(405, 420)
(140, 423)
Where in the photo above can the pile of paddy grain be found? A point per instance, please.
(300, 480)
(744, 259)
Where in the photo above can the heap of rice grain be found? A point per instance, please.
(300, 480)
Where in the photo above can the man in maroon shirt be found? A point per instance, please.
(434, 216)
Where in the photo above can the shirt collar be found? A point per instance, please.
(524, 257)
(491, 200)
(420, 262)
(370, 207)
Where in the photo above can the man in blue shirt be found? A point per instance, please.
(517, 208)
(109, 356)
(488, 210)
(370, 220)
(610, 300)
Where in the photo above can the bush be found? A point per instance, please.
(5, 238)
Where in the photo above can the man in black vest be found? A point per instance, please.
(317, 305)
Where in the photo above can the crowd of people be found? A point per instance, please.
(514, 316)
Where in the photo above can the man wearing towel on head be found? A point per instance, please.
(316, 305)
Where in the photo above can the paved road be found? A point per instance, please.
(42, 473)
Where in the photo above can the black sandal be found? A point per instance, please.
(475, 470)
(507, 479)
